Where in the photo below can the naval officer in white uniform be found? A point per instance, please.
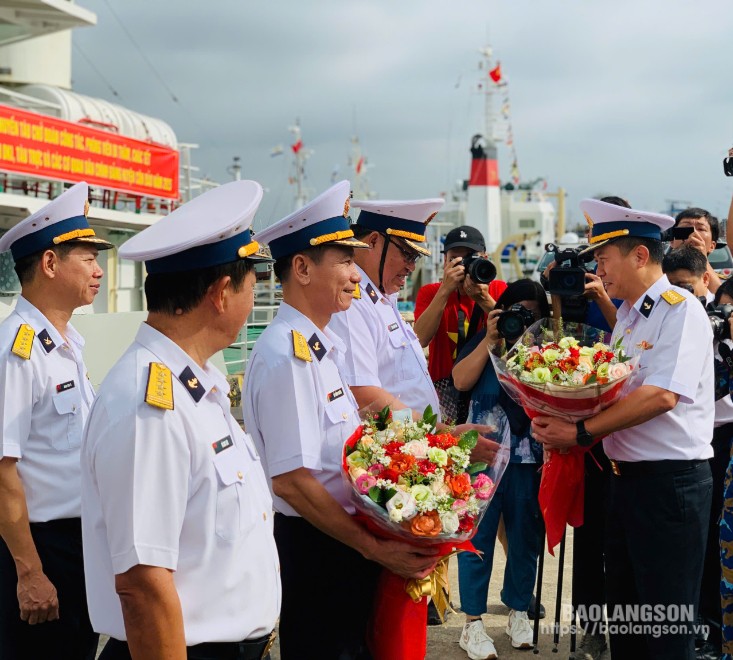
(657, 438)
(179, 553)
(45, 396)
(300, 412)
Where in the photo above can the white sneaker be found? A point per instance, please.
(519, 630)
(476, 642)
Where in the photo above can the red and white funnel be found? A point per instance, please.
(484, 201)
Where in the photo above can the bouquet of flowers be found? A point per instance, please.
(415, 485)
(567, 370)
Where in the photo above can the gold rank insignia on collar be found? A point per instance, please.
(23, 344)
(672, 297)
(159, 392)
(192, 384)
(46, 341)
(301, 348)
(319, 350)
(357, 292)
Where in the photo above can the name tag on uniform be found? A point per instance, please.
(65, 386)
(222, 444)
(336, 394)
(393, 326)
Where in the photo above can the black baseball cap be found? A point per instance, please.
(464, 236)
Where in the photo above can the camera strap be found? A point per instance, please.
(463, 335)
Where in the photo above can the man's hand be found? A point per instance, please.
(37, 598)
(554, 433)
(479, 293)
(485, 451)
(696, 241)
(407, 561)
(594, 289)
(453, 274)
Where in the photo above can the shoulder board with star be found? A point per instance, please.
(159, 392)
(672, 297)
(301, 349)
(23, 343)
(357, 292)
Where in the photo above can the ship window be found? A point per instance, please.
(526, 223)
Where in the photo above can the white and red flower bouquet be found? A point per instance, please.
(571, 371)
(411, 483)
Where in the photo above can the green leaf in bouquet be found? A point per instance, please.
(591, 379)
(389, 494)
(429, 417)
(475, 468)
(350, 448)
(375, 494)
(382, 418)
(468, 440)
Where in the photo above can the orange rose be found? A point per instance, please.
(402, 463)
(460, 485)
(426, 524)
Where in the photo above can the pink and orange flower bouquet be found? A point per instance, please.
(412, 484)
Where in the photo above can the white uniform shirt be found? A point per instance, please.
(44, 402)
(382, 350)
(181, 489)
(678, 357)
(299, 413)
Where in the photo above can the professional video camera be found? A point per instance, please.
(479, 268)
(514, 321)
(719, 315)
(567, 278)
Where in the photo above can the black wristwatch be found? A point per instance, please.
(583, 437)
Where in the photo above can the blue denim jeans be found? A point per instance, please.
(516, 500)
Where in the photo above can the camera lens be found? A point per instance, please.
(481, 270)
(510, 325)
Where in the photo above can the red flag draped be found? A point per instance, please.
(495, 73)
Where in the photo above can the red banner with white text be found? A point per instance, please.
(50, 148)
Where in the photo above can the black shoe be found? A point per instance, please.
(433, 617)
(708, 651)
(531, 609)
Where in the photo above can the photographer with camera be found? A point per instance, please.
(448, 313)
(699, 229)
(519, 306)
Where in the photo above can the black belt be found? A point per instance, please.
(644, 468)
(249, 649)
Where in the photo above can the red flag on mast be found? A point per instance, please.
(495, 73)
(297, 146)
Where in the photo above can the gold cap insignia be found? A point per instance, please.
(431, 216)
(347, 207)
(86, 208)
(588, 219)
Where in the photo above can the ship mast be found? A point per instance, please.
(300, 156)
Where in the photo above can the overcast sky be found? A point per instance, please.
(627, 97)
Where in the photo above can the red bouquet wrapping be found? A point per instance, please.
(566, 370)
(411, 484)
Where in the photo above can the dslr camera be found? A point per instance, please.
(567, 278)
(513, 322)
(677, 234)
(479, 268)
(719, 316)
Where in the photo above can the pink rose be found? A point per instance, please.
(460, 507)
(365, 482)
(618, 370)
(416, 448)
(376, 469)
(483, 486)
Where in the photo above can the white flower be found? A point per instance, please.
(449, 520)
(438, 456)
(420, 493)
(618, 370)
(578, 377)
(438, 488)
(416, 448)
(405, 505)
